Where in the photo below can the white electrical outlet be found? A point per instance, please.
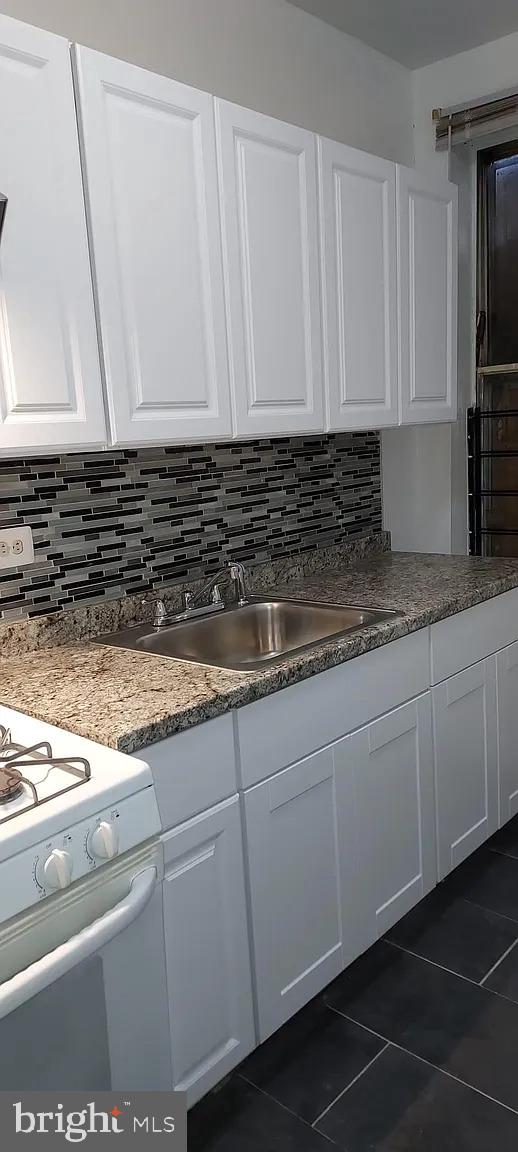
(16, 547)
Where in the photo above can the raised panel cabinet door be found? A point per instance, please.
(50, 379)
(359, 275)
(507, 697)
(466, 770)
(427, 278)
(149, 153)
(207, 953)
(268, 189)
(390, 765)
(294, 887)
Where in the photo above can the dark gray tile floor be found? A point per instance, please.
(413, 1049)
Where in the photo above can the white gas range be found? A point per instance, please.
(81, 932)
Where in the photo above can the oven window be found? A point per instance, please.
(59, 1039)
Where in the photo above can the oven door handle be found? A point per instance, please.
(31, 980)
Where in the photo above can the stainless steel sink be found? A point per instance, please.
(250, 637)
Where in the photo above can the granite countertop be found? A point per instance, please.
(128, 700)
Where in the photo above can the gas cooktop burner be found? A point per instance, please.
(35, 773)
(11, 784)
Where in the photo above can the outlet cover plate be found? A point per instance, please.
(16, 547)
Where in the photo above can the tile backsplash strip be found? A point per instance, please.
(111, 524)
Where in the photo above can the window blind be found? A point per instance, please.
(455, 126)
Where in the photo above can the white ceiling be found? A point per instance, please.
(415, 32)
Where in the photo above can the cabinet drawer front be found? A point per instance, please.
(470, 636)
(282, 728)
(193, 770)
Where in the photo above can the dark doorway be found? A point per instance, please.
(493, 422)
(498, 184)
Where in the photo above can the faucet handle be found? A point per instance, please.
(160, 608)
(186, 599)
(237, 574)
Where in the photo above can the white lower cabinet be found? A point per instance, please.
(208, 961)
(291, 830)
(507, 696)
(386, 769)
(466, 775)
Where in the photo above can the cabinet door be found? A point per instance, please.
(150, 160)
(268, 189)
(294, 887)
(50, 385)
(427, 270)
(507, 696)
(359, 253)
(465, 736)
(390, 763)
(208, 961)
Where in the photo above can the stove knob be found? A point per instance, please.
(56, 872)
(103, 842)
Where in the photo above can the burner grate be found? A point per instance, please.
(17, 759)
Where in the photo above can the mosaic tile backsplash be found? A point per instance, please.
(109, 524)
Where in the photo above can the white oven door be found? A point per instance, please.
(83, 1002)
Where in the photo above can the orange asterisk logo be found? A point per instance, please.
(116, 1111)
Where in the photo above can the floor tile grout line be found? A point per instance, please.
(502, 852)
(497, 965)
(484, 908)
(418, 956)
(281, 1105)
(423, 1060)
(451, 972)
(353, 1081)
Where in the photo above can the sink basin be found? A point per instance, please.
(251, 637)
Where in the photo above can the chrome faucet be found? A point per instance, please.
(233, 574)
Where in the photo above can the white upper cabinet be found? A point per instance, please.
(359, 277)
(150, 160)
(268, 187)
(50, 387)
(427, 219)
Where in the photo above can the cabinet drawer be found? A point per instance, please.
(470, 636)
(193, 770)
(291, 724)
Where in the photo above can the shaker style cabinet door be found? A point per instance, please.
(268, 188)
(466, 769)
(149, 154)
(294, 887)
(427, 270)
(391, 765)
(507, 697)
(50, 383)
(359, 276)
(206, 939)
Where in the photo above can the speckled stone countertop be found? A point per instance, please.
(128, 700)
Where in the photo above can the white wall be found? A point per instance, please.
(435, 493)
(265, 54)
